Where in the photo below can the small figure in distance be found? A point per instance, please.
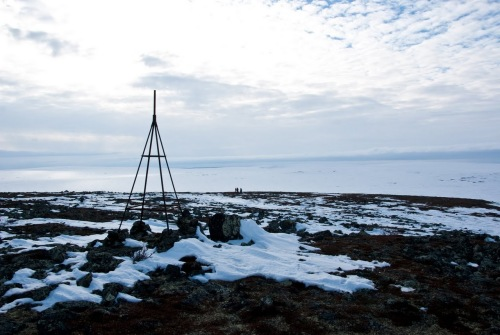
(241, 191)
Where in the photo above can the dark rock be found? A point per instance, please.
(140, 230)
(37, 294)
(145, 288)
(116, 238)
(302, 233)
(173, 271)
(192, 267)
(100, 262)
(224, 227)
(187, 224)
(283, 226)
(58, 254)
(85, 280)
(166, 240)
(41, 293)
(40, 274)
(247, 244)
(75, 306)
(321, 235)
(110, 292)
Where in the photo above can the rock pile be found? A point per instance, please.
(140, 230)
(187, 224)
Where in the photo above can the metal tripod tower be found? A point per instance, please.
(149, 152)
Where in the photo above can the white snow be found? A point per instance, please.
(65, 292)
(404, 289)
(447, 177)
(22, 277)
(127, 297)
(275, 256)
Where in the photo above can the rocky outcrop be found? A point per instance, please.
(224, 227)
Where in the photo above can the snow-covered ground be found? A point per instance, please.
(448, 178)
(277, 256)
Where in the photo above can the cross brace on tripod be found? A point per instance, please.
(152, 150)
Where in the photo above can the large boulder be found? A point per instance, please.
(224, 227)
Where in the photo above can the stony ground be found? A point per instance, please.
(449, 294)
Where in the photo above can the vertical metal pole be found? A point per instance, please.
(161, 179)
(153, 125)
(135, 179)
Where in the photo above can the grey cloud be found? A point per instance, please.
(199, 93)
(35, 9)
(7, 82)
(57, 46)
(257, 104)
(152, 61)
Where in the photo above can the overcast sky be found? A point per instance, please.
(250, 77)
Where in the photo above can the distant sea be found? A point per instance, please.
(465, 178)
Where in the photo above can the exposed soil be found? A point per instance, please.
(448, 283)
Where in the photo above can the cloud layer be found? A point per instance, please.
(247, 78)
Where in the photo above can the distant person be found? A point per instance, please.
(241, 190)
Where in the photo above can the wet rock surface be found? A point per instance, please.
(446, 283)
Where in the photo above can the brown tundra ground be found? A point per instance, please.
(441, 280)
